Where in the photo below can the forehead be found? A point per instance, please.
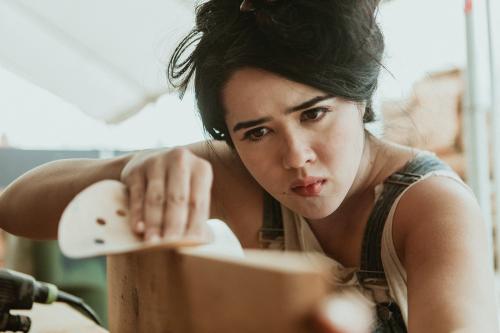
(260, 91)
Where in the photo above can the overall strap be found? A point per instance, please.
(272, 226)
(371, 261)
(371, 274)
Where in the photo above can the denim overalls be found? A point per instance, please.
(371, 274)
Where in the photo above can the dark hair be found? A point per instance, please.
(332, 45)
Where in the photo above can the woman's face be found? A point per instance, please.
(301, 145)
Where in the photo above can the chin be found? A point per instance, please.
(316, 212)
(314, 208)
(316, 215)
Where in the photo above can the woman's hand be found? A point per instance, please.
(169, 194)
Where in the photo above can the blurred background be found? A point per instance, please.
(87, 79)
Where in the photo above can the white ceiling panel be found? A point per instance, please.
(106, 57)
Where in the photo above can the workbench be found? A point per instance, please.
(58, 318)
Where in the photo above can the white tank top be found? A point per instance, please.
(299, 237)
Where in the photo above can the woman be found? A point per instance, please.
(284, 87)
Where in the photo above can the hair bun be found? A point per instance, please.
(332, 45)
(301, 26)
(286, 23)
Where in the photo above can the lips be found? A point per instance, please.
(310, 186)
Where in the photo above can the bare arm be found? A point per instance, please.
(32, 205)
(445, 253)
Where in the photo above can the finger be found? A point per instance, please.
(199, 201)
(154, 200)
(136, 188)
(176, 200)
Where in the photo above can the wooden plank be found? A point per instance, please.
(168, 291)
(251, 297)
(164, 287)
(146, 293)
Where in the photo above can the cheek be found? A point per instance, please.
(255, 159)
(262, 164)
(342, 148)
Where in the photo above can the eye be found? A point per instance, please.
(255, 134)
(313, 114)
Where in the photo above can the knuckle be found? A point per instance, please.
(204, 171)
(138, 195)
(180, 154)
(155, 198)
(146, 164)
(194, 204)
(136, 206)
(175, 198)
(152, 166)
(136, 189)
(136, 200)
(130, 176)
(198, 204)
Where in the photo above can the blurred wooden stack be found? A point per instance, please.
(431, 118)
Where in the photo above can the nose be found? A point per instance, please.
(297, 153)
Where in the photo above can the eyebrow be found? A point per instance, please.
(250, 123)
(309, 103)
(302, 106)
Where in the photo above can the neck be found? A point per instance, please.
(371, 167)
(369, 174)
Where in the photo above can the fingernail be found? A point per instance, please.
(171, 238)
(140, 227)
(152, 237)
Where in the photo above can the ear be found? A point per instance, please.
(368, 113)
(362, 108)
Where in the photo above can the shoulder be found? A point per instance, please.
(445, 252)
(434, 209)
